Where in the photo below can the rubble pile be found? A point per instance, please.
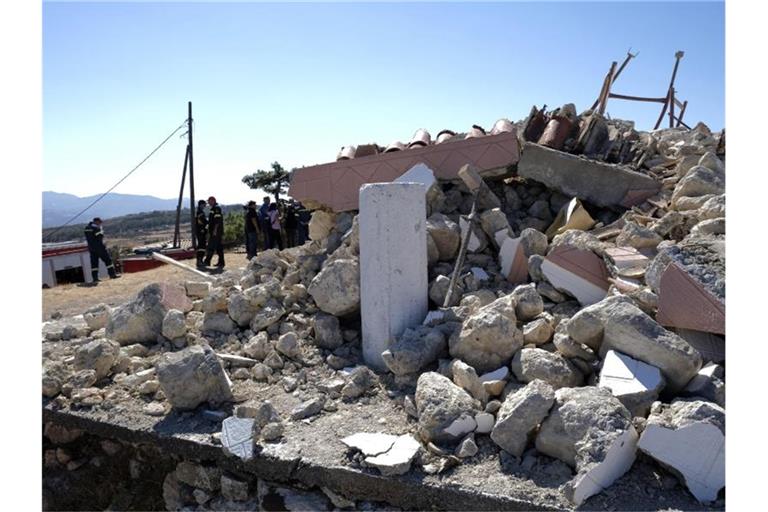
(587, 323)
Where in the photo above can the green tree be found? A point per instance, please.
(234, 229)
(273, 182)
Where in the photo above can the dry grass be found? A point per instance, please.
(74, 299)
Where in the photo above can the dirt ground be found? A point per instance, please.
(74, 299)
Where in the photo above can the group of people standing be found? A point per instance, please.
(271, 219)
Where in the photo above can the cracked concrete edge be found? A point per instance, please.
(408, 491)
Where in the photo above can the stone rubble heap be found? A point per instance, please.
(568, 337)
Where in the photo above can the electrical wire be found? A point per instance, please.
(48, 235)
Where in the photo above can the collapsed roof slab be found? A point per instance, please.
(335, 185)
(597, 182)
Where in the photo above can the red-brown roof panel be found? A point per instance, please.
(336, 184)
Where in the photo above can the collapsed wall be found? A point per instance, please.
(532, 390)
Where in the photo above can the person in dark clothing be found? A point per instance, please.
(274, 225)
(215, 234)
(265, 223)
(201, 226)
(291, 224)
(304, 217)
(251, 229)
(94, 235)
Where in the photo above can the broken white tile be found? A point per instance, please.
(371, 444)
(432, 316)
(636, 384)
(585, 292)
(695, 451)
(480, 274)
(397, 460)
(500, 374)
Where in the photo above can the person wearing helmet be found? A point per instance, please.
(201, 228)
(94, 235)
(215, 234)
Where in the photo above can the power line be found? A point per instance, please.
(182, 125)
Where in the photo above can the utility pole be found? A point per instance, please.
(191, 177)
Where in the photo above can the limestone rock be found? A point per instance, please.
(240, 309)
(215, 301)
(321, 224)
(98, 355)
(219, 322)
(713, 208)
(699, 181)
(336, 289)
(327, 331)
(446, 234)
(592, 431)
(466, 378)
(440, 403)
(520, 414)
(271, 312)
(288, 345)
(534, 242)
(192, 376)
(490, 337)
(639, 237)
(414, 350)
(174, 324)
(537, 332)
(528, 303)
(493, 221)
(141, 319)
(586, 327)
(258, 346)
(97, 316)
(530, 364)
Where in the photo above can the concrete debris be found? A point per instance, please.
(441, 405)
(599, 183)
(591, 431)
(530, 364)
(193, 376)
(415, 349)
(490, 337)
(141, 320)
(636, 384)
(594, 284)
(336, 289)
(520, 414)
(688, 437)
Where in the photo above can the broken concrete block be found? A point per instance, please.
(636, 384)
(197, 289)
(688, 436)
(630, 331)
(97, 355)
(530, 364)
(689, 279)
(192, 376)
(414, 350)
(698, 181)
(578, 272)
(336, 289)
(466, 378)
(393, 264)
(445, 233)
(528, 303)
(440, 403)
(599, 183)
(520, 414)
(637, 236)
(628, 261)
(490, 337)
(141, 320)
(590, 430)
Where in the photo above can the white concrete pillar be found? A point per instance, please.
(393, 264)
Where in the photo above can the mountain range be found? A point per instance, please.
(59, 208)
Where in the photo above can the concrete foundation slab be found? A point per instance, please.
(393, 264)
(597, 182)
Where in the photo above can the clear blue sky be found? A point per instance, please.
(295, 82)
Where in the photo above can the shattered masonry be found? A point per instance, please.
(588, 323)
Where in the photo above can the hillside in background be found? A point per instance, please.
(58, 208)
